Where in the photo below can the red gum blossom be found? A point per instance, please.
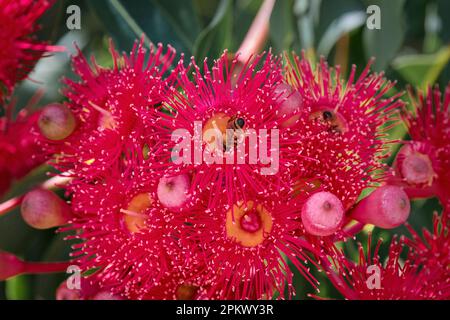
(387, 207)
(322, 214)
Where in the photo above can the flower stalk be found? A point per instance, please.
(11, 266)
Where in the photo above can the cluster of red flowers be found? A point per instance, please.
(19, 51)
(153, 227)
(149, 226)
(421, 168)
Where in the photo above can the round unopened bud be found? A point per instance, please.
(10, 266)
(56, 122)
(322, 214)
(42, 209)
(387, 207)
(173, 191)
(290, 101)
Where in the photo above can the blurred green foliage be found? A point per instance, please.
(412, 46)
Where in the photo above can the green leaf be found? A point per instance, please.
(443, 10)
(127, 21)
(344, 24)
(218, 34)
(384, 43)
(18, 288)
(282, 25)
(182, 17)
(307, 13)
(336, 19)
(118, 21)
(422, 70)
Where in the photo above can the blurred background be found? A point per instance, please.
(412, 46)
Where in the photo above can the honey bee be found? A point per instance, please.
(334, 120)
(230, 128)
(236, 124)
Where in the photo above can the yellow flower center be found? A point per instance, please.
(134, 215)
(215, 126)
(248, 224)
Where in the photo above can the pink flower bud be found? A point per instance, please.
(173, 191)
(290, 102)
(56, 122)
(42, 209)
(387, 207)
(322, 214)
(10, 266)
